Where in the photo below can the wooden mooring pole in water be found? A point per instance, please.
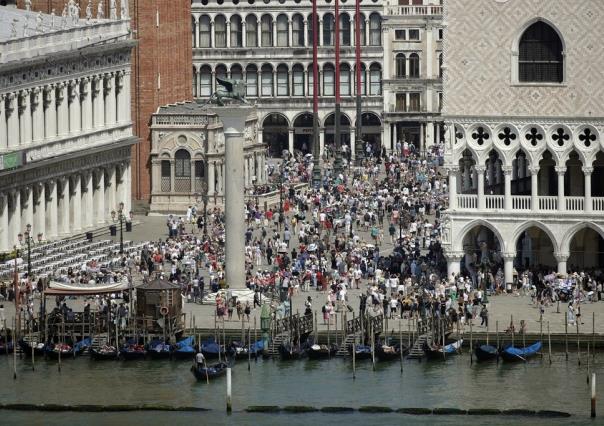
(549, 343)
(354, 349)
(229, 407)
(566, 334)
(593, 395)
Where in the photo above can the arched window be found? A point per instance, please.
(236, 31)
(251, 80)
(236, 72)
(182, 171)
(328, 80)
(195, 82)
(267, 80)
(328, 29)
(345, 80)
(266, 29)
(345, 29)
(204, 31)
(310, 81)
(298, 77)
(375, 30)
(251, 31)
(200, 172)
(205, 81)
(166, 176)
(541, 59)
(363, 85)
(414, 65)
(220, 31)
(282, 31)
(193, 31)
(363, 27)
(375, 80)
(401, 65)
(221, 71)
(298, 30)
(282, 81)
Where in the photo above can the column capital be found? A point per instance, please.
(453, 256)
(507, 170)
(451, 168)
(561, 257)
(480, 169)
(560, 170)
(534, 170)
(508, 256)
(588, 170)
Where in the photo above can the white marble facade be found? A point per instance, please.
(65, 125)
(188, 157)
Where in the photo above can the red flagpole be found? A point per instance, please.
(358, 136)
(316, 149)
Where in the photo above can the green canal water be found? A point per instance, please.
(453, 383)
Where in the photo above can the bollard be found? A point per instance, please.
(229, 407)
(593, 395)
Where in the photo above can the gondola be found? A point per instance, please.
(157, 349)
(7, 348)
(82, 346)
(104, 353)
(209, 372)
(511, 353)
(184, 349)
(486, 352)
(39, 348)
(361, 351)
(289, 352)
(210, 349)
(390, 353)
(132, 351)
(436, 351)
(53, 350)
(239, 351)
(322, 351)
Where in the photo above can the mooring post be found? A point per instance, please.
(566, 334)
(593, 395)
(229, 406)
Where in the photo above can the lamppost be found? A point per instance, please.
(280, 196)
(28, 239)
(204, 197)
(121, 217)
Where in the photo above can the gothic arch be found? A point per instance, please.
(458, 245)
(570, 233)
(535, 224)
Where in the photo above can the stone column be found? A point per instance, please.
(88, 199)
(233, 120)
(211, 178)
(306, 43)
(63, 204)
(367, 43)
(110, 192)
(98, 102)
(12, 123)
(37, 115)
(196, 30)
(4, 229)
(290, 141)
(213, 34)
(321, 141)
(587, 171)
(99, 195)
(507, 176)
(28, 214)
(453, 172)
(77, 203)
(480, 178)
(15, 219)
(51, 210)
(128, 188)
(123, 96)
(289, 33)
(50, 112)
(228, 33)
(561, 199)
(25, 117)
(508, 267)
(86, 95)
(243, 36)
(3, 129)
(110, 108)
(561, 258)
(75, 115)
(62, 110)
(534, 188)
(40, 211)
(320, 32)
(453, 263)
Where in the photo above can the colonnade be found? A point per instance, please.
(60, 206)
(58, 110)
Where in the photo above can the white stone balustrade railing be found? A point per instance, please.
(574, 204)
(494, 202)
(427, 10)
(65, 145)
(467, 201)
(521, 202)
(71, 38)
(598, 204)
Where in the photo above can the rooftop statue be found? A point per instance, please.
(231, 89)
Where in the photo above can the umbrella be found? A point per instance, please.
(312, 247)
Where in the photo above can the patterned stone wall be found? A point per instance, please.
(479, 40)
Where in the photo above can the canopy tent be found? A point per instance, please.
(56, 288)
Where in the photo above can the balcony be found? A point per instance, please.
(524, 203)
(429, 10)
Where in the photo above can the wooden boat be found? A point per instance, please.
(239, 351)
(157, 349)
(436, 351)
(82, 346)
(104, 353)
(7, 348)
(486, 352)
(511, 353)
(209, 372)
(390, 353)
(132, 351)
(184, 349)
(53, 350)
(289, 352)
(39, 348)
(361, 351)
(322, 351)
(210, 349)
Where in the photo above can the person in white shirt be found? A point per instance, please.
(200, 360)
